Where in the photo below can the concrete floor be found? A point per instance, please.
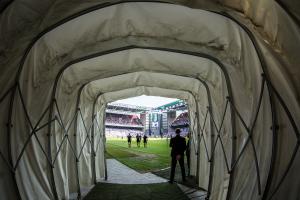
(119, 173)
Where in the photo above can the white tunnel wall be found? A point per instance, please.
(137, 78)
(93, 64)
(137, 60)
(135, 19)
(84, 133)
(230, 44)
(287, 139)
(194, 145)
(64, 170)
(131, 80)
(86, 108)
(267, 14)
(150, 79)
(103, 83)
(55, 50)
(70, 98)
(169, 81)
(99, 145)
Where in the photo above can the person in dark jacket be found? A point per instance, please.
(129, 140)
(145, 140)
(178, 146)
(138, 140)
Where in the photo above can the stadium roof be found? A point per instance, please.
(172, 105)
(128, 106)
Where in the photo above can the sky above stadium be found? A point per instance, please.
(147, 101)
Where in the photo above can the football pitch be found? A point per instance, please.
(155, 157)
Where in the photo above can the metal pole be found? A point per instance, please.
(103, 5)
(93, 154)
(198, 54)
(198, 147)
(104, 144)
(9, 133)
(212, 134)
(93, 164)
(75, 140)
(49, 134)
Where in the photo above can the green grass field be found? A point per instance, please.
(155, 157)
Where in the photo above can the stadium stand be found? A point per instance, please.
(122, 132)
(123, 120)
(181, 121)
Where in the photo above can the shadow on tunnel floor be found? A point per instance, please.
(190, 180)
(157, 191)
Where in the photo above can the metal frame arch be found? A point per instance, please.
(273, 127)
(94, 178)
(6, 5)
(75, 141)
(197, 54)
(53, 27)
(289, 12)
(271, 100)
(99, 7)
(197, 110)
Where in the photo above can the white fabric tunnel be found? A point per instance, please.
(243, 105)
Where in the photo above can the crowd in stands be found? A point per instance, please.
(119, 119)
(181, 120)
(120, 125)
(121, 133)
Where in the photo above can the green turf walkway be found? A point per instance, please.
(158, 191)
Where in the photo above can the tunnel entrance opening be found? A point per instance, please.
(138, 131)
(145, 131)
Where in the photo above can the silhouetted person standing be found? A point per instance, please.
(138, 140)
(178, 146)
(145, 140)
(129, 140)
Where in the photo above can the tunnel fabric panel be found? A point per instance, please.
(154, 80)
(6, 180)
(35, 82)
(107, 83)
(99, 144)
(286, 132)
(268, 14)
